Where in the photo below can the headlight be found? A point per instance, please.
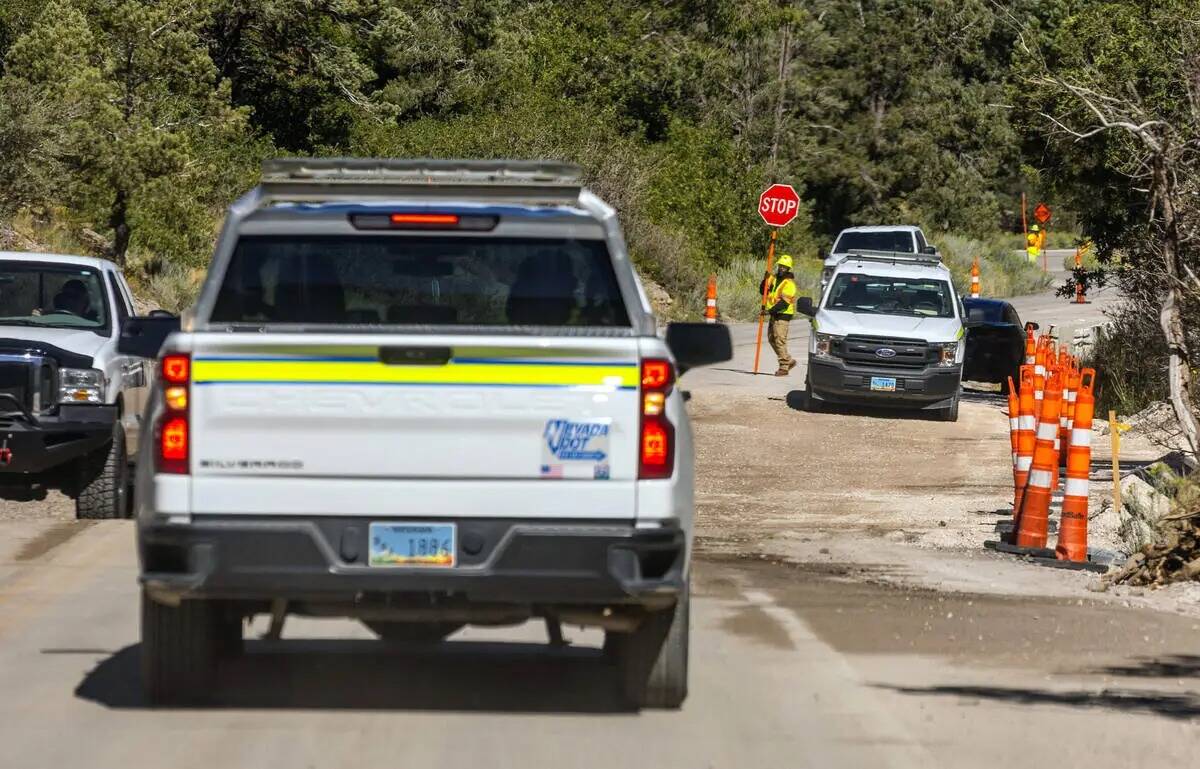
(822, 345)
(80, 385)
(949, 353)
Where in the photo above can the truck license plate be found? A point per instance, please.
(413, 544)
(886, 384)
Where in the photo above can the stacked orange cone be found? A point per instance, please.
(975, 294)
(1026, 436)
(1072, 531)
(1033, 520)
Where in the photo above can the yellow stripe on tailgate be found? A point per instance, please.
(374, 372)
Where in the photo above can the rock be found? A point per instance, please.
(1142, 499)
(660, 300)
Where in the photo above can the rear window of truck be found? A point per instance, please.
(414, 280)
(899, 241)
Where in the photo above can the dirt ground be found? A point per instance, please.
(906, 497)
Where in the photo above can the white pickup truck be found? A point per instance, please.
(891, 238)
(420, 394)
(70, 402)
(889, 331)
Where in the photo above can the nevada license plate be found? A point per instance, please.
(413, 544)
(885, 384)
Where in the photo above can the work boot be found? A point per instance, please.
(783, 371)
(791, 365)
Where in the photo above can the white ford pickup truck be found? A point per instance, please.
(421, 394)
(70, 402)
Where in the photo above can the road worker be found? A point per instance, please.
(780, 306)
(1033, 244)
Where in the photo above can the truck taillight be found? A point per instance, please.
(171, 433)
(656, 450)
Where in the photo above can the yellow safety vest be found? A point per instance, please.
(1033, 247)
(785, 290)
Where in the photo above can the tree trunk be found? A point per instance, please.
(1179, 372)
(785, 61)
(118, 220)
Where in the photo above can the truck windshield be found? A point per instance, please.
(51, 295)
(420, 280)
(879, 295)
(892, 240)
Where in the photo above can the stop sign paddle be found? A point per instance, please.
(778, 205)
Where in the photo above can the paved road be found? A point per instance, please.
(792, 667)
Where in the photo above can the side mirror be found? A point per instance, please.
(144, 337)
(931, 250)
(804, 306)
(698, 344)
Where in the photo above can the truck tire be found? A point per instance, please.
(179, 651)
(103, 486)
(412, 632)
(652, 661)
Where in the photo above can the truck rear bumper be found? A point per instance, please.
(921, 388)
(323, 560)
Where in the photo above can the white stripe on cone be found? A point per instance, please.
(1024, 462)
(1027, 422)
(1076, 487)
(1040, 478)
(1046, 431)
(1081, 437)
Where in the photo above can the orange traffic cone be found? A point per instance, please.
(1039, 373)
(710, 303)
(1030, 345)
(1026, 437)
(975, 279)
(1072, 531)
(1034, 515)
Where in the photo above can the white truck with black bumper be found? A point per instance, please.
(888, 331)
(70, 402)
(420, 394)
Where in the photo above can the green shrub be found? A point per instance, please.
(1003, 271)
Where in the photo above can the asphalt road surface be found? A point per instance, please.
(794, 664)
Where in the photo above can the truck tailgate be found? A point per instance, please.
(288, 423)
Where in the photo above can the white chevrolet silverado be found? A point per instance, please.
(421, 394)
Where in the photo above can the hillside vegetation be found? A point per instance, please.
(130, 124)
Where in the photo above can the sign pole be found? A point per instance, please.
(770, 260)
(1045, 255)
(1024, 221)
(1114, 432)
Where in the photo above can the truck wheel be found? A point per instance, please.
(413, 632)
(103, 489)
(950, 414)
(652, 661)
(179, 651)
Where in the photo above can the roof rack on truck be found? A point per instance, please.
(316, 180)
(893, 257)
